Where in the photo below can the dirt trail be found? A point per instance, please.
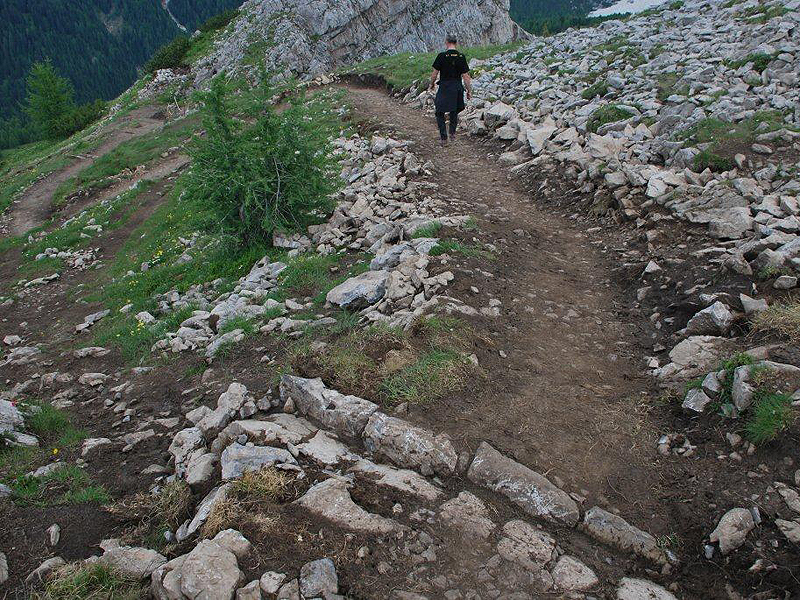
(34, 206)
(562, 396)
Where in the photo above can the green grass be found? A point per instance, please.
(726, 139)
(599, 88)
(435, 373)
(67, 484)
(401, 70)
(729, 366)
(610, 113)
(772, 414)
(450, 246)
(128, 155)
(763, 12)
(90, 582)
(667, 85)
(760, 61)
(428, 231)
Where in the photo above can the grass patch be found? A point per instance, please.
(763, 12)
(759, 60)
(90, 582)
(667, 85)
(67, 484)
(435, 373)
(451, 246)
(428, 231)
(725, 139)
(772, 413)
(251, 503)
(128, 155)
(151, 515)
(402, 70)
(780, 318)
(610, 113)
(599, 88)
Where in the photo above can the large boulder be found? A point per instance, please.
(526, 488)
(130, 561)
(209, 572)
(360, 291)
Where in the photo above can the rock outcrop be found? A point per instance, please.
(298, 37)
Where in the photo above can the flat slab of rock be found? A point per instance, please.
(526, 545)
(326, 450)
(209, 572)
(409, 446)
(529, 490)
(236, 460)
(616, 531)
(641, 589)
(346, 415)
(572, 575)
(467, 513)
(404, 480)
(131, 561)
(331, 500)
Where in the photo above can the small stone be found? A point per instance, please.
(318, 578)
(732, 529)
(54, 534)
(271, 582)
(785, 282)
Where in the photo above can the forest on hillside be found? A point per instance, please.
(543, 17)
(97, 44)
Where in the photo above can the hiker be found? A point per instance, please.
(451, 67)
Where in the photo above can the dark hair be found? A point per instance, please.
(451, 38)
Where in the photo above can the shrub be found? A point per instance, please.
(219, 21)
(610, 113)
(169, 56)
(255, 178)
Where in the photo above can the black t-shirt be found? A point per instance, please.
(451, 65)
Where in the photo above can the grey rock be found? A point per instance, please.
(741, 390)
(469, 514)
(326, 450)
(236, 459)
(131, 561)
(234, 541)
(44, 570)
(529, 490)
(641, 589)
(331, 500)
(251, 591)
(346, 415)
(409, 446)
(752, 306)
(572, 575)
(732, 529)
(403, 480)
(696, 400)
(616, 531)
(714, 320)
(318, 579)
(360, 291)
(210, 572)
(3, 568)
(271, 582)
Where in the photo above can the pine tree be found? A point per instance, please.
(49, 101)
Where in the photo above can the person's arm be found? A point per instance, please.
(434, 77)
(467, 84)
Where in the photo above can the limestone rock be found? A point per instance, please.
(467, 513)
(346, 415)
(318, 579)
(529, 490)
(398, 479)
(331, 500)
(616, 531)
(360, 291)
(236, 459)
(409, 446)
(714, 320)
(134, 562)
(572, 575)
(641, 589)
(732, 529)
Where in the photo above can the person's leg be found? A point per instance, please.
(453, 123)
(442, 125)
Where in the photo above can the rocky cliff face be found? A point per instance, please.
(300, 37)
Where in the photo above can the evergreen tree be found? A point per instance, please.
(49, 101)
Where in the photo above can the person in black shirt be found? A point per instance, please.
(451, 68)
